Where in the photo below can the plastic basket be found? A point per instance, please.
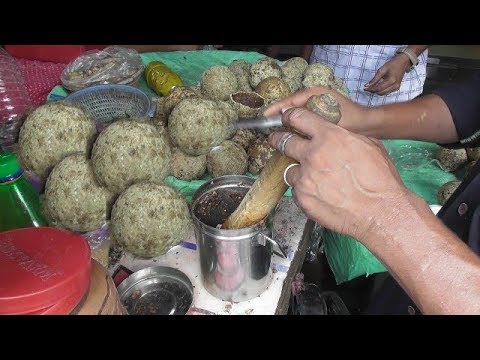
(107, 103)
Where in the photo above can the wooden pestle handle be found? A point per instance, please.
(263, 196)
(270, 186)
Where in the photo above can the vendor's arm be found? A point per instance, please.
(347, 182)
(449, 115)
(436, 269)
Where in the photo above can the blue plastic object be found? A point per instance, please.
(107, 103)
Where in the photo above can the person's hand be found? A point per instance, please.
(353, 114)
(389, 77)
(345, 181)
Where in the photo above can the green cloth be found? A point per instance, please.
(421, 173)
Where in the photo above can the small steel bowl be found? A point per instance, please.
(156, 290)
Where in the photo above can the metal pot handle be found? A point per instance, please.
(277, 249)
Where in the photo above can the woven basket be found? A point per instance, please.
(107, 103)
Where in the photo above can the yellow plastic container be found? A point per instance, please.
(161, 78)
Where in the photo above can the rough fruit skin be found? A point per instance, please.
(241, 69)
(317, 75)
(197, 125)
(292, 72)
(131, 151)
(446, 191)
(187, 167)
(295, 83)
(161, 117)
(339, 86)
(74, 200)
(244, 138)
(218, 82)
(227, 159)
(273, 89)
(294, 67)
(52, 132)
(263, 69)
(473, 154)
(148, 219)
(231, 114)
(258, 155)
(452, 159)
(178, 94)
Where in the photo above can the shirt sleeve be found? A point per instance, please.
(463, 101)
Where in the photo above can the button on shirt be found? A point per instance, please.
(358, 64)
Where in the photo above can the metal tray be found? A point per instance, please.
(156, 290)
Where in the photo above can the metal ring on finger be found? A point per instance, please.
(283, 142)
(285, 173)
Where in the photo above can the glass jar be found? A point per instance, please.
(161, 78)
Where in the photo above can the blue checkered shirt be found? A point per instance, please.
(357, 65)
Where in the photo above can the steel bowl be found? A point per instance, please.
(156, 290)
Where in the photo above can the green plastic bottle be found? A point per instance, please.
(19, 201)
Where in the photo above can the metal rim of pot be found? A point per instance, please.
(236, 234)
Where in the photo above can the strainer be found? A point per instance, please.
(107, 103)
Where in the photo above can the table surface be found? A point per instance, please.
(292, 232)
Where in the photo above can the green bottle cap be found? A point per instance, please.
(9, 166)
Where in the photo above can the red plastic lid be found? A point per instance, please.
(41, 267)
(63, 307)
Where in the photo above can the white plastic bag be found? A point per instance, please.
(14, 100)
(113, 65)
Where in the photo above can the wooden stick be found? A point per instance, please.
(263, 196)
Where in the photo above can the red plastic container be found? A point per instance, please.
(44, 271)
(63, 307)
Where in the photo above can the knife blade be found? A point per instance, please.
(261, 122)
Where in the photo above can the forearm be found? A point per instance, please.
(427, 119)
(437, 270)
